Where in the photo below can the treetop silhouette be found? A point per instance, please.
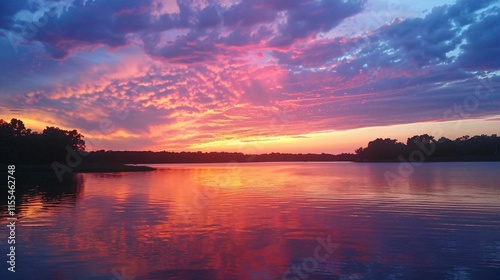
(20, 145)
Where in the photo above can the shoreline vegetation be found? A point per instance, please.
(83, 168)
(64, 150)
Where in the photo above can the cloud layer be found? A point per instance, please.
(170, 75)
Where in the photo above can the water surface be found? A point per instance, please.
(262, 221)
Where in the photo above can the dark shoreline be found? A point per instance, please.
(442, 159)
(132, 167)
(84, 168)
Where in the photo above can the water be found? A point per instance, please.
(261, 221)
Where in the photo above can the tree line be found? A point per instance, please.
(144, 157)
(20, 145)
(426, 148)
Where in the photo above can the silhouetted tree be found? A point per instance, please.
(481, 147)
(382, 149)
(19, 145)
(445, 147)
(416, 141)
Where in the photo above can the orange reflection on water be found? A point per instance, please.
(227, 221)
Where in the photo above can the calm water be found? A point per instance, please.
(261, 221)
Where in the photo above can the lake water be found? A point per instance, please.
(261, 221)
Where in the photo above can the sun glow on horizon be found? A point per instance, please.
(347, 141)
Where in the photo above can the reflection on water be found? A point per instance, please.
(262, 221)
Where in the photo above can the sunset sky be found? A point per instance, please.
(251, 76)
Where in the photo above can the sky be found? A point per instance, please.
(251, 76)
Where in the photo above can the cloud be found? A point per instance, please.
(306, 18)
(209, 17)
(109, 25)
(482, 44)
(113, 23)
(202, 72)
(7, 11)
(251, 23)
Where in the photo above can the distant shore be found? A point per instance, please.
(444, 159)
(86, 168)
(143, 166)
